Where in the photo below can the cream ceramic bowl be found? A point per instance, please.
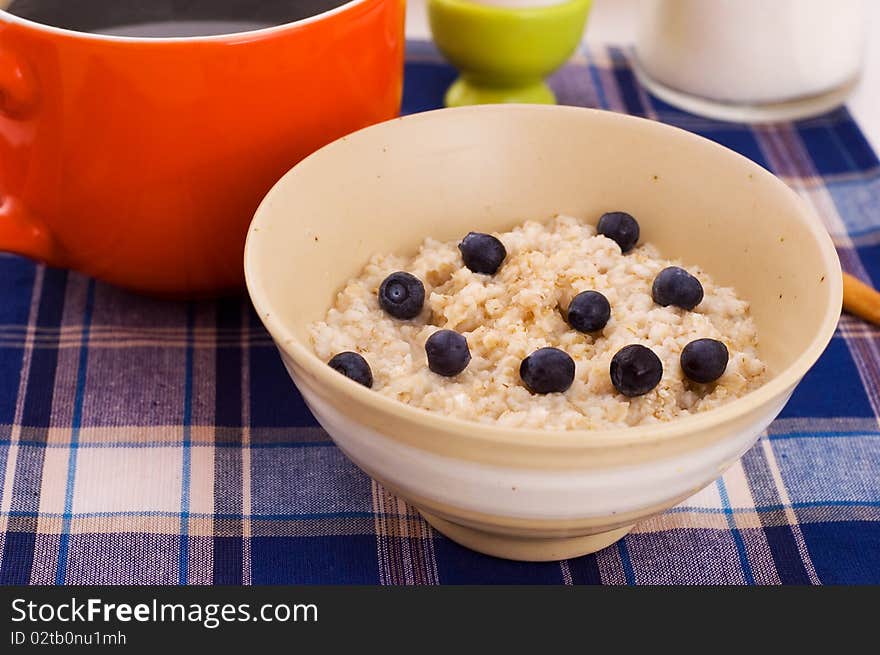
(538, 494)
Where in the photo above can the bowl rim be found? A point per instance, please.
(548, 439)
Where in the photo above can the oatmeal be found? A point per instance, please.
(521, 343)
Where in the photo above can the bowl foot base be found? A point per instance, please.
(524, 549)
(465, 92)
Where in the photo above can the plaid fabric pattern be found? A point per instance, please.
(144, 441)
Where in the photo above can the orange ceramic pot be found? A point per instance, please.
(141, 161)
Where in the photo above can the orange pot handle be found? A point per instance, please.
(18, 87)
(19, 231)
(22, 234)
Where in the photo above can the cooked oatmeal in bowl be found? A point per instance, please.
(549, 325)
(534, 389)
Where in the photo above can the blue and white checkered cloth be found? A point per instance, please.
(144, 441)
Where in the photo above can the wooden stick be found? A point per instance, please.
(861, 299)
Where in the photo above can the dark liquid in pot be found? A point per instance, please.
(167, 18)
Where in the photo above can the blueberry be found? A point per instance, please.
(547, 370)
(620, 227)
(675, 286)
(635, 370)
(353, 366)
(482, 253)
(704, 360)
(448, 353)
(402, 295)
(589, 311)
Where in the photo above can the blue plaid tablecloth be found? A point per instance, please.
(144, 441)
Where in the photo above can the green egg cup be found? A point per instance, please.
(504, 54)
